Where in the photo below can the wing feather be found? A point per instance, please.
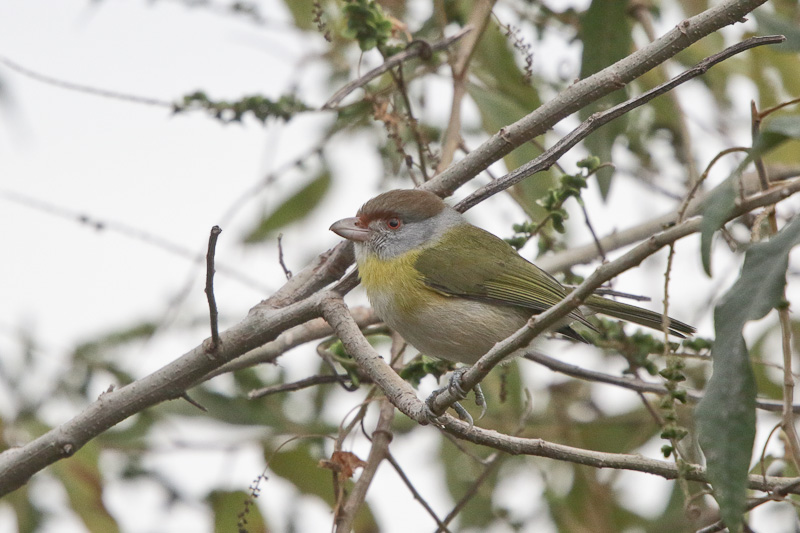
(499, 275)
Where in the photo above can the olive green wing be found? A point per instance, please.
(492, 272)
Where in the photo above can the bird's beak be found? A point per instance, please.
(351, 229)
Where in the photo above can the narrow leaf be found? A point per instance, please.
(605, 32)
(726, 415)
(236, 511)
(722, 200)
(80, 475)
(717, 210)
(777, 24)
(293, 209)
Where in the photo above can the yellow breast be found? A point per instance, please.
(394, 286)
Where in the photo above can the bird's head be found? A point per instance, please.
(397, 222)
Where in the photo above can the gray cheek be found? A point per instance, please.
(361, 252)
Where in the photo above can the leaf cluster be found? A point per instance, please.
(260, 107)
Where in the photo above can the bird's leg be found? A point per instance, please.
(480, 399)
(455, 384)
(459, 409)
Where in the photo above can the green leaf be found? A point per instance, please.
(606, 35)
(772, 23)
(778, 130)
(726, 415)
(300, 466)
(83, 482)
(719, 205)
(722, 200)
(29, 518)
(503, 97)
(302, 11)
(295, 208)
(235, 511)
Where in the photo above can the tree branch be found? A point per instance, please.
(404, 398)
(263, 324)
(543, 322)
(549, 157)
(414, 49)
(588, 90)
(381, 438)
(213, 313)
(634, 384)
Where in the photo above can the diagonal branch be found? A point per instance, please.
(585, 91)
(538, 324)
(479, 18)
(381, 438)
(414, 49)
(634, 384)
(549, 157)
(404, 398)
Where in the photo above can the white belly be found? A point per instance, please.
(451, 328)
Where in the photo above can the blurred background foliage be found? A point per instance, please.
(294, 430)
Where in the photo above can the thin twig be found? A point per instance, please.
(417, 496)
(49, 80)
(478, 18)
(591, 230)
(212, 301)
(138, 234)
(641, 12)
(787, 414)
(286, 271)
(413, 123)
(634, 384)
(323, 379)
(381, 438)
(550, 156)
(193, 402)
(412, 50)
(488, 470)
(777, 495)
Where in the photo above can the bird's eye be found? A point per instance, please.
(393, 223)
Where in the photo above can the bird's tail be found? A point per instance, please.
(637, 315)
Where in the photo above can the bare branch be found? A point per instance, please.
(49, 80)
(549, 157)
(381, 438)
(213, 313)
(263, 324)
(417, 496)
(634, 384)
(310, 331)
(313, 381)
(414, 49)
(540, 323)
(286, 271)
(588, 90)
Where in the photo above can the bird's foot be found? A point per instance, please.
(459, 409)
(456, 387)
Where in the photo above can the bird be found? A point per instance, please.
(453, 290)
